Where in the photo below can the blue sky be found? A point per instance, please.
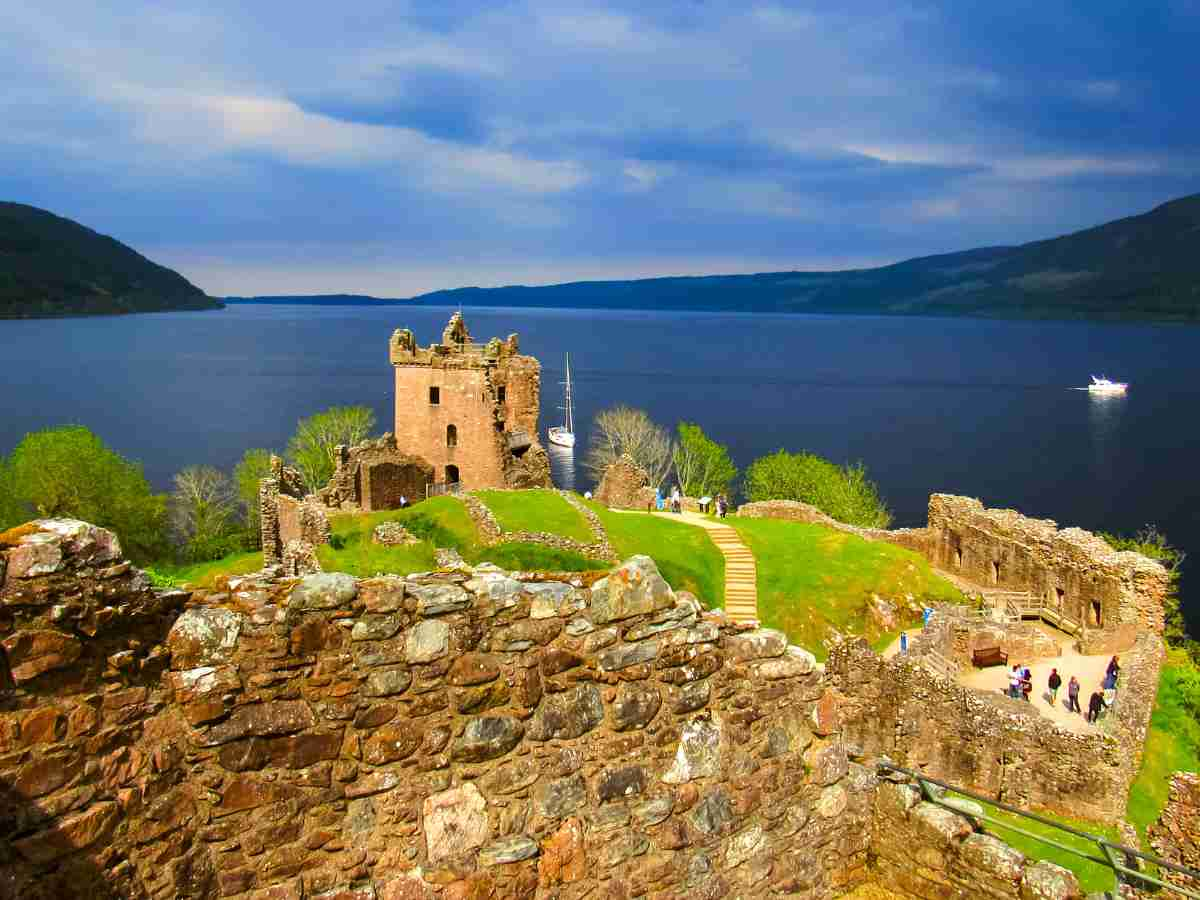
(393, 148)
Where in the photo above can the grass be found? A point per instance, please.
(1092, 876)
(812, 579)
(1172, 744)
(205, 574)
(536, 510)
(685, 555)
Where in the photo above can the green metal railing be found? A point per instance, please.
(1116, 856)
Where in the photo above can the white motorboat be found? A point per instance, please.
(564, 435)
(1102, 385)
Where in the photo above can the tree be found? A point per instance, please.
(702, 466)
(203, 513)
(69, 472)
(311, 448)
(625, 431)
(254, 466)
(1151, 542)
(10, 508)
(841, 492)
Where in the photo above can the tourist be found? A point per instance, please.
(676, 505)
(403, 501)
(1073, 695)
(1113, 671)
(1054, 684)
(903, 642)
(1026, 684)
(587, 495)
(1094, 706)
(724, 506)
(658, 499)
(1014, 683)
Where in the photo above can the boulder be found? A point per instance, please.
(633, 588)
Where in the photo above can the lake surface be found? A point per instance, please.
(975, 407)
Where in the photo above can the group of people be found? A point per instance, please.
(1020, 686)
(674, 502)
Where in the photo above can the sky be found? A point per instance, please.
(393, 148)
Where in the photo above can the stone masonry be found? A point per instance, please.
(460, 734)
(469, 409)
(375, 475)
(291, 524)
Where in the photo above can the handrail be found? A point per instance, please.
(1108, 849)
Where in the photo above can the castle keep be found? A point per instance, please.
(470, 410)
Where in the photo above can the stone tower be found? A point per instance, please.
(469, 409)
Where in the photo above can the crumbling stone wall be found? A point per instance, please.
(491, 534)
(990, 743)
(1176, 835)
(621, 484)
(469, 409)
(956, 632)
(287, 517)
(916, 539)
(375, 475)
(457, 734)
(92, 790)
(925, 851)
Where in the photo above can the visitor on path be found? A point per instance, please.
(903, 643)
(1054, 683)
(722, 506)
(704, 501)
(587, 495)
(1014, 683)
(1110, 681)
(676, 506)
(1094, 706)
(1113, 671)
(1026, 684)
(1073, 695)
(658, 499)
(403, 501)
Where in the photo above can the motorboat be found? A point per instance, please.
(564, 435)
(1102, 385)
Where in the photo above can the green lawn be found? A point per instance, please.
(812, 578)
(685, 555)
(536, 510)
(1093, 876)
(198, 575)
(1172, 744)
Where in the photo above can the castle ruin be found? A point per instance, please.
(470, 410)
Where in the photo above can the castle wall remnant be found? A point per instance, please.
(375, 475)
(1176, 834)
(287, 517)
(469, 409)
(456, 734)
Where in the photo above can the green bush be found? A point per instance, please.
(311, 448)
(841, 492)
(702, 466)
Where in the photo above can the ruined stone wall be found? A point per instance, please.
(288, 518)
(925, 851)
(374, 475)
(454, 735)
(918, 540)
(92, 771)
(985, 741)
(491, 534)
(956, 632)
(1176, 835)
(1070, 569)
(495, 439)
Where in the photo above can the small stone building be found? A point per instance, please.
(290, 522)
(375, 475)
(469, 409)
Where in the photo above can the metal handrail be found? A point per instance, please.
(1108, 849)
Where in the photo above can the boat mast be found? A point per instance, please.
(570, 414)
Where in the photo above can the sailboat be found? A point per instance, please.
(564, 435)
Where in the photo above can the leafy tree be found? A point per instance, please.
(1151, 542)
(203, 513)
(625, 431)
(702, 466)
(10, 508)
(254, 466)
(841, 492)
(311, 448)
(70, 472)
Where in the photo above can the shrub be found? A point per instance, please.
(841, 492)
(702, 466)
(311, 448)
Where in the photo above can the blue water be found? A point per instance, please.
(975, 407)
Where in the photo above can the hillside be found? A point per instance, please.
(51, 266)
(1142, 267)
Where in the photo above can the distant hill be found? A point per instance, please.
(51, 266)
(318, 300)
(1142, 267)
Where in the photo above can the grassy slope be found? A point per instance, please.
(686, 556)
(536, 510)
(811, 578)
(203, 574)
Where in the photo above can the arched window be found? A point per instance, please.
(451, 436)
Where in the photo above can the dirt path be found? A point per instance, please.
(741, 573)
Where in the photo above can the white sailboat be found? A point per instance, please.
(1103, 386)
(564, 435)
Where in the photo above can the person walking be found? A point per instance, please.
(1026, 684)
(1113, 671)
(658, 499)
(1094, 706)
(1014, 682)
(676, 506)
(903, 643)
(1054, 683)
(1073, 695)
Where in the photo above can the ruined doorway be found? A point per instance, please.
(451, 474)
(958, 557)
(1096, 617)
(995, 572)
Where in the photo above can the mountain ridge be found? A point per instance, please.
(52, 266)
